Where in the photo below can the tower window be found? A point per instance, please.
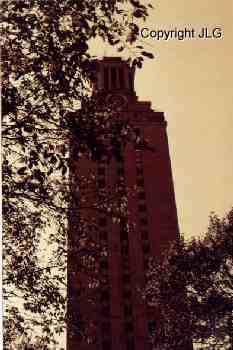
(125, 250)
(139, 170)
(146, 263)
(106, 81)
(128, 310)
(128, 327)
(127, 294)
(104, 296)
(88, 262)
(143, 221)
(125, 266)
(104, 264)
(124, 235)
(140, 176)
(141, 195)
(121, 78)
(105, 327)
(126, 278)
(106, 345)
(123, 225)
(142, 207)
(137, 131)
(152, 326)
(104, 235)
(125, 243)
(140, 182)
(123, 222)
(113, 77)
(130, 345)
(144, 235)
(138, 157)
(106, 310)
(139, 162)
(101, 183)
(121, 171)
(101, 171)
(146, 247)
(102, 221)
(104, 281)
(103, 160)
(130, 82)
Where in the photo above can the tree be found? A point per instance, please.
(193, 289)
(47, 74)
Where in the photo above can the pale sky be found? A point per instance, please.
(191, 81)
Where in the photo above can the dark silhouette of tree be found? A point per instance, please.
(193, 287)
(47, 75)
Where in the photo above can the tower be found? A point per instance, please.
(118, 317)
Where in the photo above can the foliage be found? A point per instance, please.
(47, 74)
(193, 290)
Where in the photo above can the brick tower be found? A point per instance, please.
(118, 316)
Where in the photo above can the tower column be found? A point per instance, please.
(126, 77)
(117, 78)
(114, 306)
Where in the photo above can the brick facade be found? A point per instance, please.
(118, 314)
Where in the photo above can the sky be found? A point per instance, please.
(191, 81)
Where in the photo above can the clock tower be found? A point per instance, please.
(115, 83)
(119, 318)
